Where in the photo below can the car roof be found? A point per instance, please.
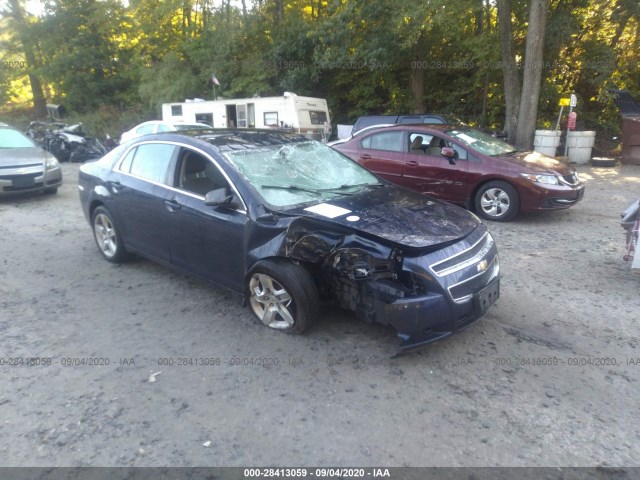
(442, 127)
(234, 139)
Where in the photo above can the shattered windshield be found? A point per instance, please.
(303, 172)
(482, 142)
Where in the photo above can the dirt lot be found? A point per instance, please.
(548, 378)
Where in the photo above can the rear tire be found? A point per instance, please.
(282, 295)
(107, 236)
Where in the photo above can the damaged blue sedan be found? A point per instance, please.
(288, 223)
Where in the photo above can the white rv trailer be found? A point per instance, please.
(306, 115)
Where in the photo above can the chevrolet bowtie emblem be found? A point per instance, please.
(482, 266)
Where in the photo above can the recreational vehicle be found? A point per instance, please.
(306, 115)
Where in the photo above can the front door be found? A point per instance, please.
(426, 170)
(208, 241)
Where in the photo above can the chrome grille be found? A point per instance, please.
(463, 291)
(465, 258)
(571, 180)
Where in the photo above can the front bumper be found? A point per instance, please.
(28, 180)
(453, 288)
(422, 321)
(549, 197)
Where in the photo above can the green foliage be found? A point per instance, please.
(104, 58)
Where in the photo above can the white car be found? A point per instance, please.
(157, 126)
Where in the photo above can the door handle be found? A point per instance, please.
(412, 163)
(172, 205)
(366, 156)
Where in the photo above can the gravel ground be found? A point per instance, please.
(548, 378)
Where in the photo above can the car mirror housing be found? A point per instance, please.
(220, 197)
(449, 153)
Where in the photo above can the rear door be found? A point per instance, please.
(428, 171)
(139, 194)
(383, 154)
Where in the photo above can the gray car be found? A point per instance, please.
(24, 166)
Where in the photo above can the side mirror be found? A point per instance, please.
(220, 197)
(449, 153)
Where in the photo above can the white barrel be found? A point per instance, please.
(546, 142)
(580, 145)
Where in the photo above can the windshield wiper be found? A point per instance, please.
(358, 185)
(339, 190)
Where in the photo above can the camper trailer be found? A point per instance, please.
(306, 115)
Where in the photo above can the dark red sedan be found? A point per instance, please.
(466, 166)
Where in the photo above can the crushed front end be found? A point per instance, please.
(424, 296)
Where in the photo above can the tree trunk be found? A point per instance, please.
(417, 75)
(509, 69)
(528, 114)
(39, 102)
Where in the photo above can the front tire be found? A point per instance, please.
(107, 236)
(282, 295)
(497, 201)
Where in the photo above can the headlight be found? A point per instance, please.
(52, 163)
(548, 179)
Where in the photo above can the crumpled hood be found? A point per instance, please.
(18, 157)
(534, 162)
(396, 215)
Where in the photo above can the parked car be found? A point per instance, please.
(430, 118)
(24, 166)
(286, 222)
(158, 126)
(468, 167)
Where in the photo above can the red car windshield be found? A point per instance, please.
(482, 142)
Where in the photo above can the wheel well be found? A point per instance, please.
(95, 204)
(279, 259)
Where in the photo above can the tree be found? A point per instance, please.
(22, 28)
(533, 62)
(522, 103)
(512, 87)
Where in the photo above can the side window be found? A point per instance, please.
(197, 174)
(125, 166)
(418, 143)
(389, 141)
(271, 119)
(461, 152)
(435, 145)
(163, 128)
(146, 129)
(151, 161)
(407, 120)
(432, 120)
